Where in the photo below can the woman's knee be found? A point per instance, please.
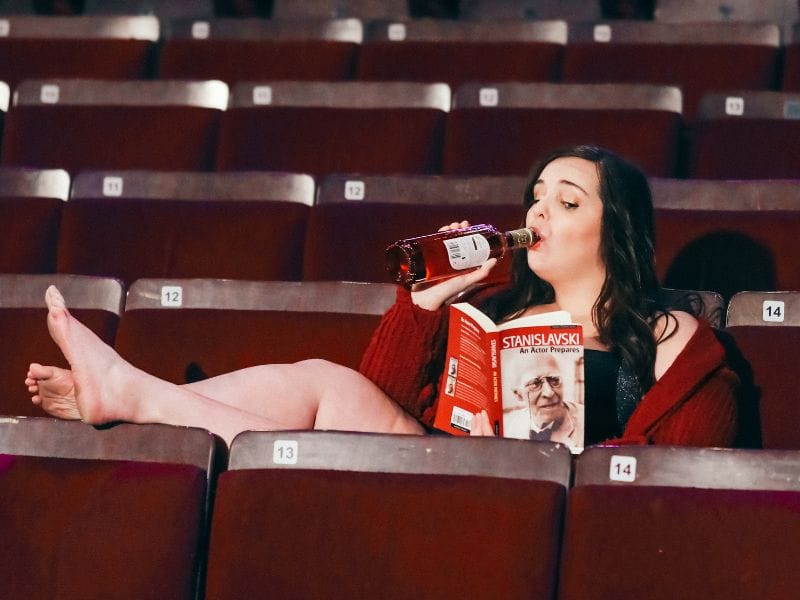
(321, 366)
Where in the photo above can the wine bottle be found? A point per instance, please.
(448, 253)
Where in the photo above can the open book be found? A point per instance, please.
(526, 373)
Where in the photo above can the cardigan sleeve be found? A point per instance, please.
(402, 354)
(694, 403)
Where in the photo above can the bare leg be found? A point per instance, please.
(300, 396)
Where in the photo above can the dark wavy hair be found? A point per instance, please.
(628, 304)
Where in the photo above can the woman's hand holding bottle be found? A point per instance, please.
(433, 296)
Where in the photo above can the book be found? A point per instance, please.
(526, 373)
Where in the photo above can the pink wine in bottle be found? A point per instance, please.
(449, 253)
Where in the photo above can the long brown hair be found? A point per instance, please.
(628, 304)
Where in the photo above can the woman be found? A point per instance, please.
(652, 376)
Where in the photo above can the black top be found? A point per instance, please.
(602, 374)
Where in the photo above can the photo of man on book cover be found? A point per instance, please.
(543, 397)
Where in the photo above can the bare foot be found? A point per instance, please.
(99, 375)
(54, 390)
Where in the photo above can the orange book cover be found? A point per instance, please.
(526, 373)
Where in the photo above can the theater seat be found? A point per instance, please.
(135, 224)
(697, 57)
(456, 52)
(186, 330)
(727, 236)
(334, 127)
(75, 46)
(746, 135)
(163, 9)
(791, 61)
(338, 9)
(382, 516)
(766, 327)
(235, 50)
(667, 522)
(503, 128)
(113, 513)
(31, 201)
(531, 10)
(782, 12)
(23, 329)
(161, 125)
(348, 208)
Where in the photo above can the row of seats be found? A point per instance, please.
(185, 330)
(393, 127)
(163, 512)
(721, 236)
(780, 11)
(699, 57)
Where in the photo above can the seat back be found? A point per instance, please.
(783, 12)
(380, 516)
(456, 52)
(39, 436)
(791, 61)
(161, 125)
(702, 303)
(99, 47)
(235, 50)
(334, 127)
(766, 327)
(31, 201)
(501, 129)
(746, 135)
(349, 206)
(163, 9)
(24, 338)
(338, 9)
(697, 57)
(675, 520)
(135, 224)
(138, 524)
(186, 330)
(489, 10)
(727, 236)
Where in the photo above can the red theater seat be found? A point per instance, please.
(129, 501)
(766, 327)
(161, 125)
(501, 129)
(349, 206)
(532, 10)
(791, 61)
(330, 9)
(697, 57)
(31, 201)
(746, 135)
(455, 52)
(186, 330)
(334, 127)
(782, 12)
(23, 329)
(379, 516)
(727, 236)
(681, 523)
(236, 50)
(134, 224)
(99, 47)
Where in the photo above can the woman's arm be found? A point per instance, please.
(694, 399)
(401, 351)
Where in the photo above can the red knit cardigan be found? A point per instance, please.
(694, 403)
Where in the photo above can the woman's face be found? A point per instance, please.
(568, 213)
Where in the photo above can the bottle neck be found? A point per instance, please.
(521, 238)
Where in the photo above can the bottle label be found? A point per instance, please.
(467, 252)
